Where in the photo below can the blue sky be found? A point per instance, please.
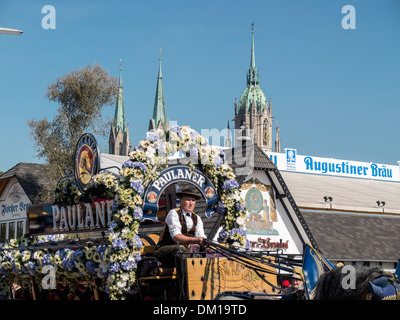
(335, 92)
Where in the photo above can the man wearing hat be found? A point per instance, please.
(181, 225)
(296, 290)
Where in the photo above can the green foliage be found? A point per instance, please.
(81, 97)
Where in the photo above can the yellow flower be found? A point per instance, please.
(230, 175)
(138, 200)
(7, 265)
(89, 253)
(80, 266)
(127, 192)
(57, 259)
(113, 257)
(145, 143)
(24, 241)
(126, 172)
(137, 173)
(126, 219)
(26, 256)
(96, 257)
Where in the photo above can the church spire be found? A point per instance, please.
(253, 57)
(119, 115)
(119, 142)
(277, 139)
(253, 78)
(159, 119)
(228, 142)
(253, 111)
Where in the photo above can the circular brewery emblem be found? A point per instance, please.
(152, 197)
(87, 160)
(210, 192)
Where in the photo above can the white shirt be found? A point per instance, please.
(175, 227)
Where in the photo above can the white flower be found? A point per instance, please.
(214, 152)
(184, 129)
(240, 221)
(124, 231)
(201, 140)
(234, 196)
(185, 148)
(224, 167)
(110, 278)
(13, 242)
(125, 277)
(121, 284)
(236, 244)
(150, 152)
(115, 235)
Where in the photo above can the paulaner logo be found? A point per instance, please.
(175, 174)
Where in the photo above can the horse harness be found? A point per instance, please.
(384, 288)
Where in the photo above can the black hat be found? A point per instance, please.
(188, 193)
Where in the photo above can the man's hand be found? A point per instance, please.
(189, 240)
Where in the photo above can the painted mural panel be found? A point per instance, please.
(267, 221)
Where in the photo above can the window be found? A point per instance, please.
(3, 229)
(20, 229)
(265, 134)
(11, 230)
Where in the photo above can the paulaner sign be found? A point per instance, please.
(291, 161)
(172, 175)
(52, 218)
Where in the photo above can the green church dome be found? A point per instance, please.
(250, 94)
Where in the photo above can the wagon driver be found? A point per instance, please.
(183, 225)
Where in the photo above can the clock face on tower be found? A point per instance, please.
(265, 136)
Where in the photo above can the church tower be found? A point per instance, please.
(119, 142)
(159, 119)
(254, 112)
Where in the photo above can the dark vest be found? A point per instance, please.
(166, 239)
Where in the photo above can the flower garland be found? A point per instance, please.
(145, 163)
(18, 264)
(67, 191)
(116, 264)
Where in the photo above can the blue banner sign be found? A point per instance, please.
(292, 161)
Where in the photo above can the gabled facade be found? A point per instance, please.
(19, 188)
(274, 222)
